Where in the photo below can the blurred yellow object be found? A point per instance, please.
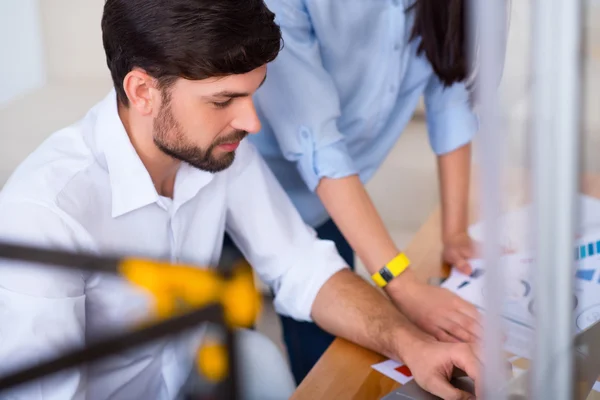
(212, 361)
(177, 288)
(240, 299)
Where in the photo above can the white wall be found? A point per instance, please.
(73, 37)
(21, 49)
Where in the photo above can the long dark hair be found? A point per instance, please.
(442, 27)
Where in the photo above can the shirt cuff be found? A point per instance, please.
(327, 161)
(295, 292)
(451, 128)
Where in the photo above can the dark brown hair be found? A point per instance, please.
(191, 39)
(441, 25)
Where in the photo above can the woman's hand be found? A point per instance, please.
(458, 249)
(435, 310)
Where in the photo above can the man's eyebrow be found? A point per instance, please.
(233, 95)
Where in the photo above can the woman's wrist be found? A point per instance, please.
(450, 231)
(402, 286)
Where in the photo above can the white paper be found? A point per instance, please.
(518, 309)
(389, 369)
(517, 321)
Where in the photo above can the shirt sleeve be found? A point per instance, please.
(42, 309)
(300, 101)
(450, 121)
(283, 250)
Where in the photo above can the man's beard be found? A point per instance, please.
(165, 125)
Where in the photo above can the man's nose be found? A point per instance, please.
(247, 120)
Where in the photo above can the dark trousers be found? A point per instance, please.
(305, 341)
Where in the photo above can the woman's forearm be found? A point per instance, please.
(454, 171)
(351, 208)
(435, 310)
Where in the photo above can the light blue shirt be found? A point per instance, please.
(343, 89)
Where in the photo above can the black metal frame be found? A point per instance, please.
(227, 389)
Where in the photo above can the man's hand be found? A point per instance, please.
(458, 249)
(349, 307)
(433, 365)
(435, 310)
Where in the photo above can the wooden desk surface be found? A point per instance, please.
(344, 371)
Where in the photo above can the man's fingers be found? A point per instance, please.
(441, 387)
(467, 359)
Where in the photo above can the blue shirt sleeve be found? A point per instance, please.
(299, 100)
(451, 122)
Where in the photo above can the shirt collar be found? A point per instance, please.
(130, 182)
(188, 182)
(131, 185)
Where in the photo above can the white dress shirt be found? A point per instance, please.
(86, 189)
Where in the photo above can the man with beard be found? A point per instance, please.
(159, 168)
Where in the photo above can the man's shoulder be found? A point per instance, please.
(63, 166)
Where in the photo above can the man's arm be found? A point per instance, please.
(365, 316)
(42, 308)
(310, 279)
(348, 307)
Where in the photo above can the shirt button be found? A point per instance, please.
(397, 46)
(396, 2)
(392, 89)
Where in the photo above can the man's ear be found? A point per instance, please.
(139, 87)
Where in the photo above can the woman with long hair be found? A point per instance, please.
(335, 102)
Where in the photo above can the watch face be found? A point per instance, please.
(386, 274)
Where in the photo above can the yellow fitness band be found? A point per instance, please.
(394, 268)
